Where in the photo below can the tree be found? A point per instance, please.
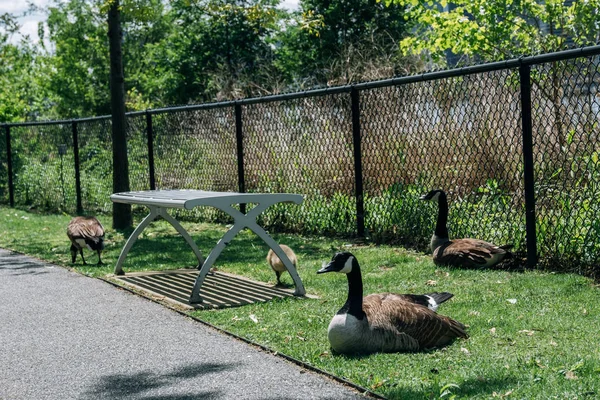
(122, 217)
(498, 29)
(80, 78)
(342, 41)
(22, 96)
(217, 49)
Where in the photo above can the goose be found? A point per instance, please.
(385, 322)
(277, 265)
(85, 232)
(470, 253)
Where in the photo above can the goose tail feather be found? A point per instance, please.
(439, 298)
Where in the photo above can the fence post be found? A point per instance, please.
(77, 167)
(240, 151)
(360, 207)
(150, 134)
(530, 220)
(11, 189)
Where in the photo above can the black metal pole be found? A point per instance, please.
(360, 207)
(530, 220)
(11, 189)
(240, 152)
(150, 134)
(77, 167)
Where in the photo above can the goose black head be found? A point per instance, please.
(341, 262)
(433, 195)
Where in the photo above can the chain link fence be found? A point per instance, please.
(514, 144)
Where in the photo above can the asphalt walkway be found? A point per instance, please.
(67, 336)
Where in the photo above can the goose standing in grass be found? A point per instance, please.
(385, 322)
(85, 232)
(470, 253)
(277, 265)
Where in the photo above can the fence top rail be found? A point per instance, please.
(427, 76)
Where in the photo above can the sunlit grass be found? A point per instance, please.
(533, 335)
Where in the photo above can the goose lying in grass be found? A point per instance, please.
(277, 265)
(385, 322)
(85, 232)
(470, 253)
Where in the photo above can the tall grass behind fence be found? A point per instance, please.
(196, 149)
(303, 146)
(43, 166)
(514, 144)
(3, 169)
(95, 158)
(459, 134)
(566, 114)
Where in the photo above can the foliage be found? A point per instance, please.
(80, 77)
(338, 42)
(498, 29)
(78, 30)
(216, 49)
(22, 72)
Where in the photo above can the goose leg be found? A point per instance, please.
(81, 252)
(73, 254)
(99, 259)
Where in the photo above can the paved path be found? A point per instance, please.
(67, 336)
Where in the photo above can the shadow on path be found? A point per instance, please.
(127, 386)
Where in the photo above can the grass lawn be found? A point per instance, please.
(533, 335)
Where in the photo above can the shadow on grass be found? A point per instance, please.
(172, 251)
(125, 386)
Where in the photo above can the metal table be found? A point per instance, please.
(158, 201)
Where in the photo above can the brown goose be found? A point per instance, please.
(384, 322)
(85, 232)
(469, 253)
(277, 265)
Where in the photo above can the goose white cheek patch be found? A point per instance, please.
(347, 266)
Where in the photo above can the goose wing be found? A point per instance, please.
(471, 253)
(390, 312)
(429, 300)
(85, 228)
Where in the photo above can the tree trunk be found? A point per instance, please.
(121, 212)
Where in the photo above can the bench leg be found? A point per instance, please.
(210, 260)
(154, 212)
(245, 221)
(163, 213)
(261, 233)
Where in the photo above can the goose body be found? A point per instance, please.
(276, 263)
(385, 322)
(467, 252)
(85, 232)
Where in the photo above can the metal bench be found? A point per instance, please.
(158, 201)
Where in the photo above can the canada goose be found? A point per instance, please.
(384, 322)
(471, 253)
(277, 264)
(85, 232)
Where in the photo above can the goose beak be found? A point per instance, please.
(326, 268)
(424, 197)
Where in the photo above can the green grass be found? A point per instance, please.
(546, 345)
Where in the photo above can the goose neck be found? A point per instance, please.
(441, 227)
(354, 303)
